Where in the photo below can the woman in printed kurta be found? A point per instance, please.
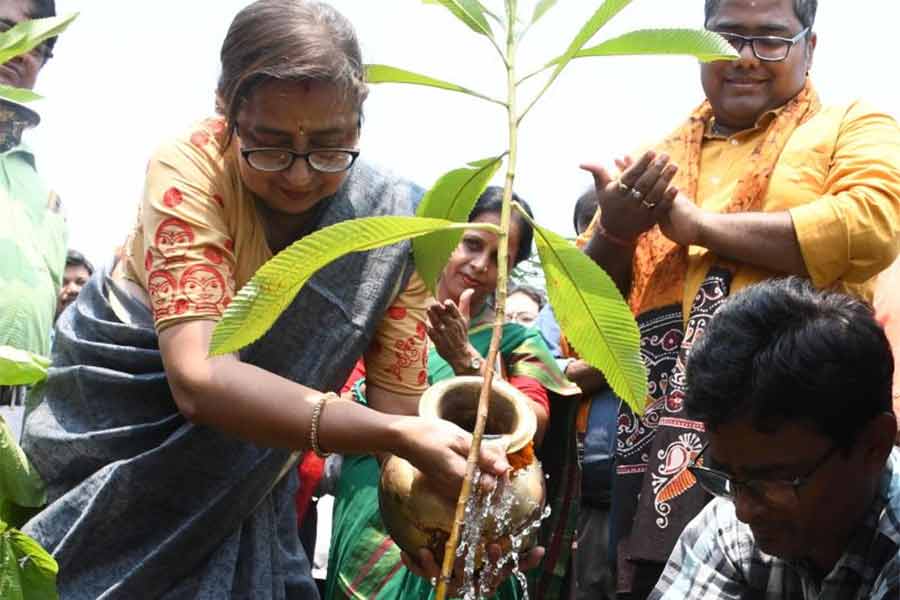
(169, 472)
(364, 562)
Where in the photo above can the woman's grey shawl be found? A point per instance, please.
(144, 504)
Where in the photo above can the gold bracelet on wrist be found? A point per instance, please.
(314, 426)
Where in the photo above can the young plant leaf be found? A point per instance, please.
(27, 571)
(19, 481)
(470, 12)
(20, 367)
(388, 74)
(602, 16)
(258, 304)
(21, 95)
(706, 46)
(26, 35)
(593, 316)
(541, 9)
(451, 198)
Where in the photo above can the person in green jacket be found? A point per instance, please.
(32, 230)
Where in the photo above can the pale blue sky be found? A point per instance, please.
(129, 74)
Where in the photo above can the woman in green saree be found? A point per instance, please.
(364, 562)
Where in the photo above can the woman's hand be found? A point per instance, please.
(448, 328)
(439, 450)
(424, 565)
(628, 204)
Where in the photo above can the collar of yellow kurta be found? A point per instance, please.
(762, 123)
(660, 266)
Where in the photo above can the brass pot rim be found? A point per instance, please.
(429, 406)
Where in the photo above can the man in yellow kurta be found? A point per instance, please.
(761, 181)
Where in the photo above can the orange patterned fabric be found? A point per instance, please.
(660, 265)
(198, 239)
(837, 173)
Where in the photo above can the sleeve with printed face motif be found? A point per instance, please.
(397, 359)
(188, 266)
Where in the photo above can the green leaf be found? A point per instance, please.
(389, 74)
(27, 571)
(258, 304)
(26, 35)
(20, 367)
(541, 9)
(470, 12)
(704, 45)
(20, 483)
(593, 316)
(22, 95)
(602, 16)
(451, 198)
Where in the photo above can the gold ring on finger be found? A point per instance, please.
(648, 205)
(622, 187)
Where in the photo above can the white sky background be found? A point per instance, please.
(128, 74)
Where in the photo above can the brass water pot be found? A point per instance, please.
(417, 517)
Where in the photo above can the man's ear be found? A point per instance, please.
(811, 50)
(878, 440)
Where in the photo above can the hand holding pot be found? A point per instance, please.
(439, 449)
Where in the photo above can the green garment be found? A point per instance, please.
(364, 563)
(32, 254)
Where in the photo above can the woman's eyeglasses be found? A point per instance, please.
(767, 48)
(273, 160)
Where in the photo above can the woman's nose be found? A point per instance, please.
(299, 173)
(480, 261)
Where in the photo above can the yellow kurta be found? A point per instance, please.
(839, 176)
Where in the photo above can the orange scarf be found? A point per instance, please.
(660, 265)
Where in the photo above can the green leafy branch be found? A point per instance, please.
(24, 37)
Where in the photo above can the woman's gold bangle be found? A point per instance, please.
(314, 426)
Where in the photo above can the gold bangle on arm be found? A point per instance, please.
(314, 426)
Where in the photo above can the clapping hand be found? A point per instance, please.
(448, 328)
(644, 196)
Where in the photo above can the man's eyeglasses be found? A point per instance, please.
(767, 48)
(273, 160)
(774, 492)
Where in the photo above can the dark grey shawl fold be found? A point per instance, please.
(144, 504)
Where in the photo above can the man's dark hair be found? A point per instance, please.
(805, 10)
(491, 201)
(781, 352)
(41, 9)
(532, 292)
(74, 258)
(585, 208)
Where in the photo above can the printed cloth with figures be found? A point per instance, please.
(199, 239)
